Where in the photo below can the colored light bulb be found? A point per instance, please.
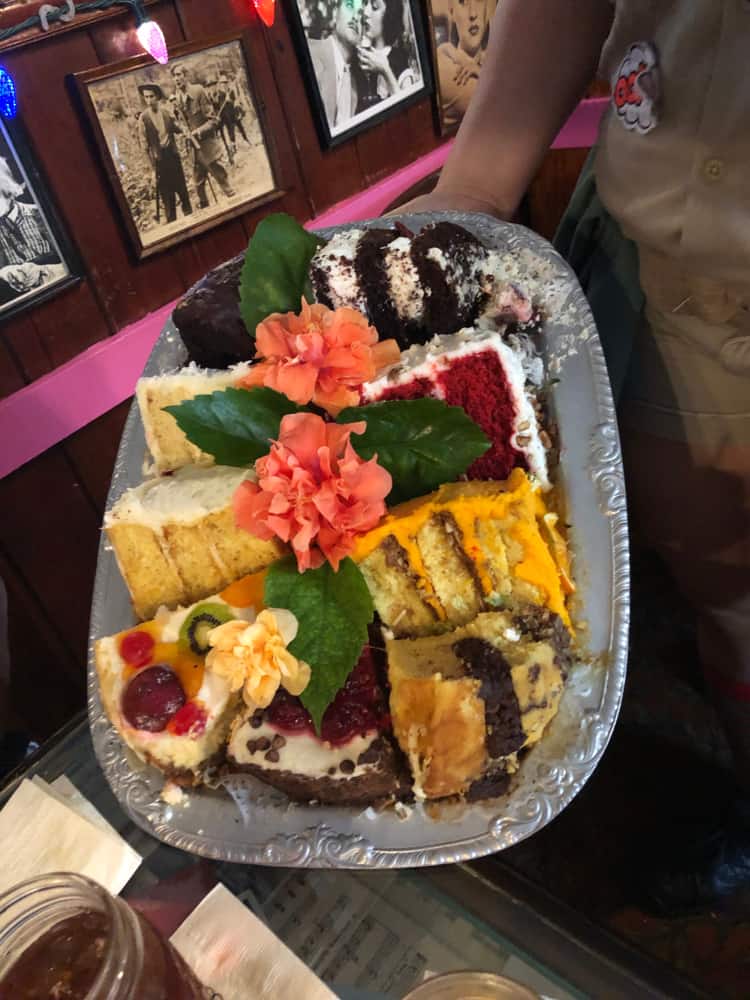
(266, 10)
(8, 99)
(152, 39)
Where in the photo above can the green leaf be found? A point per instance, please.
(233, 425)
(275, 273)
(423, 443)
(333, 611)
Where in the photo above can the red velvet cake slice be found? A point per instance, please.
(355, 759)
(493, 379)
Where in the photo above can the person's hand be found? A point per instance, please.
(373, 60)
(22, 277)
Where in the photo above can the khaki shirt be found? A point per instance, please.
(683, 189)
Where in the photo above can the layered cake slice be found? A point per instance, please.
(208, 318)
(441, 559)
(165, 703)
(167, 444)
(465, 703)
(409, 286)
(493, 378)
(353, 761)
(175, 539)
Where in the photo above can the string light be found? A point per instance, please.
(266, 11)
(8, 100)
(152, 39)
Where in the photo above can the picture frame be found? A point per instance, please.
(37, 258)
(459, 33)
(362, 62)
(188, 145)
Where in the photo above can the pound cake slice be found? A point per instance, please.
(175, 539)
(464, 703)
(166, 704)
(353, 761)
(440, 560)
(167, 444)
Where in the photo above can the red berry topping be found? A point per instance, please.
(152, 697)
(137, 648)
(191, 719)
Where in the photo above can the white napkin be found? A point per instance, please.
(234, 953)
(45, 829)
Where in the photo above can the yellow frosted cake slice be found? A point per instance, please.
(169, 447)
(440, 560)
(175, 539)
(464, 703)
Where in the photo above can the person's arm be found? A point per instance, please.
(541, 56)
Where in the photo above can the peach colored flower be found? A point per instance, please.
(255, 657)
(321, 355)
(313, 491)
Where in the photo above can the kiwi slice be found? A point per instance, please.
(197, 625)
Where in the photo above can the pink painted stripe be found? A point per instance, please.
(56, 405)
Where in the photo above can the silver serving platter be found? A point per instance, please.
(251, 823)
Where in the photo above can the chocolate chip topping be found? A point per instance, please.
(252, 746)
(263, 743)
(272, 756)
(502, 712)
(278, 742)
(347, 766)
(372, 754)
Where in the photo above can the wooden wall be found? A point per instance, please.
(52, 507)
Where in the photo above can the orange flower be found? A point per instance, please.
(321, 355)
(313, 491)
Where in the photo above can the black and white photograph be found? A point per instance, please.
(363, 59)
(184, 144)
(35, 257)
(460, 31)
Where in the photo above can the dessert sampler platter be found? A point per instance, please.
(362, 592)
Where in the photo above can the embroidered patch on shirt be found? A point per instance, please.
(637, 88)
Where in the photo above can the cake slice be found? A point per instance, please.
(208, 318)
(175, 539)
(440, 560)
(167, 444)
(165, 703)
(409, 286)
(464, 703)
(495, 378)
(354, 760)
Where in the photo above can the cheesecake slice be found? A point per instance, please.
(465, 703)
(166, 704)
(353, 761)
(175, 539)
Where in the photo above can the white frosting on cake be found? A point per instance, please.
(407, 294)
(337, 258)
(303, 753)
(192, 493)
(426, 361)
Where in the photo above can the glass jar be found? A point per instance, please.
(471, 986)
(63, 930)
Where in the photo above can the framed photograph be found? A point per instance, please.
(459, 31)
(362, 60)
(186, 145)
(37, 259)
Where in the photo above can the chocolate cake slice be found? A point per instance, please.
(354, 760)
(208, 318)
(410, 287)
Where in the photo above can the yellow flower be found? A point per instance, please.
(255, 657)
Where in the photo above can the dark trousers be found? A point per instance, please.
(230, 122)
(172, 184)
